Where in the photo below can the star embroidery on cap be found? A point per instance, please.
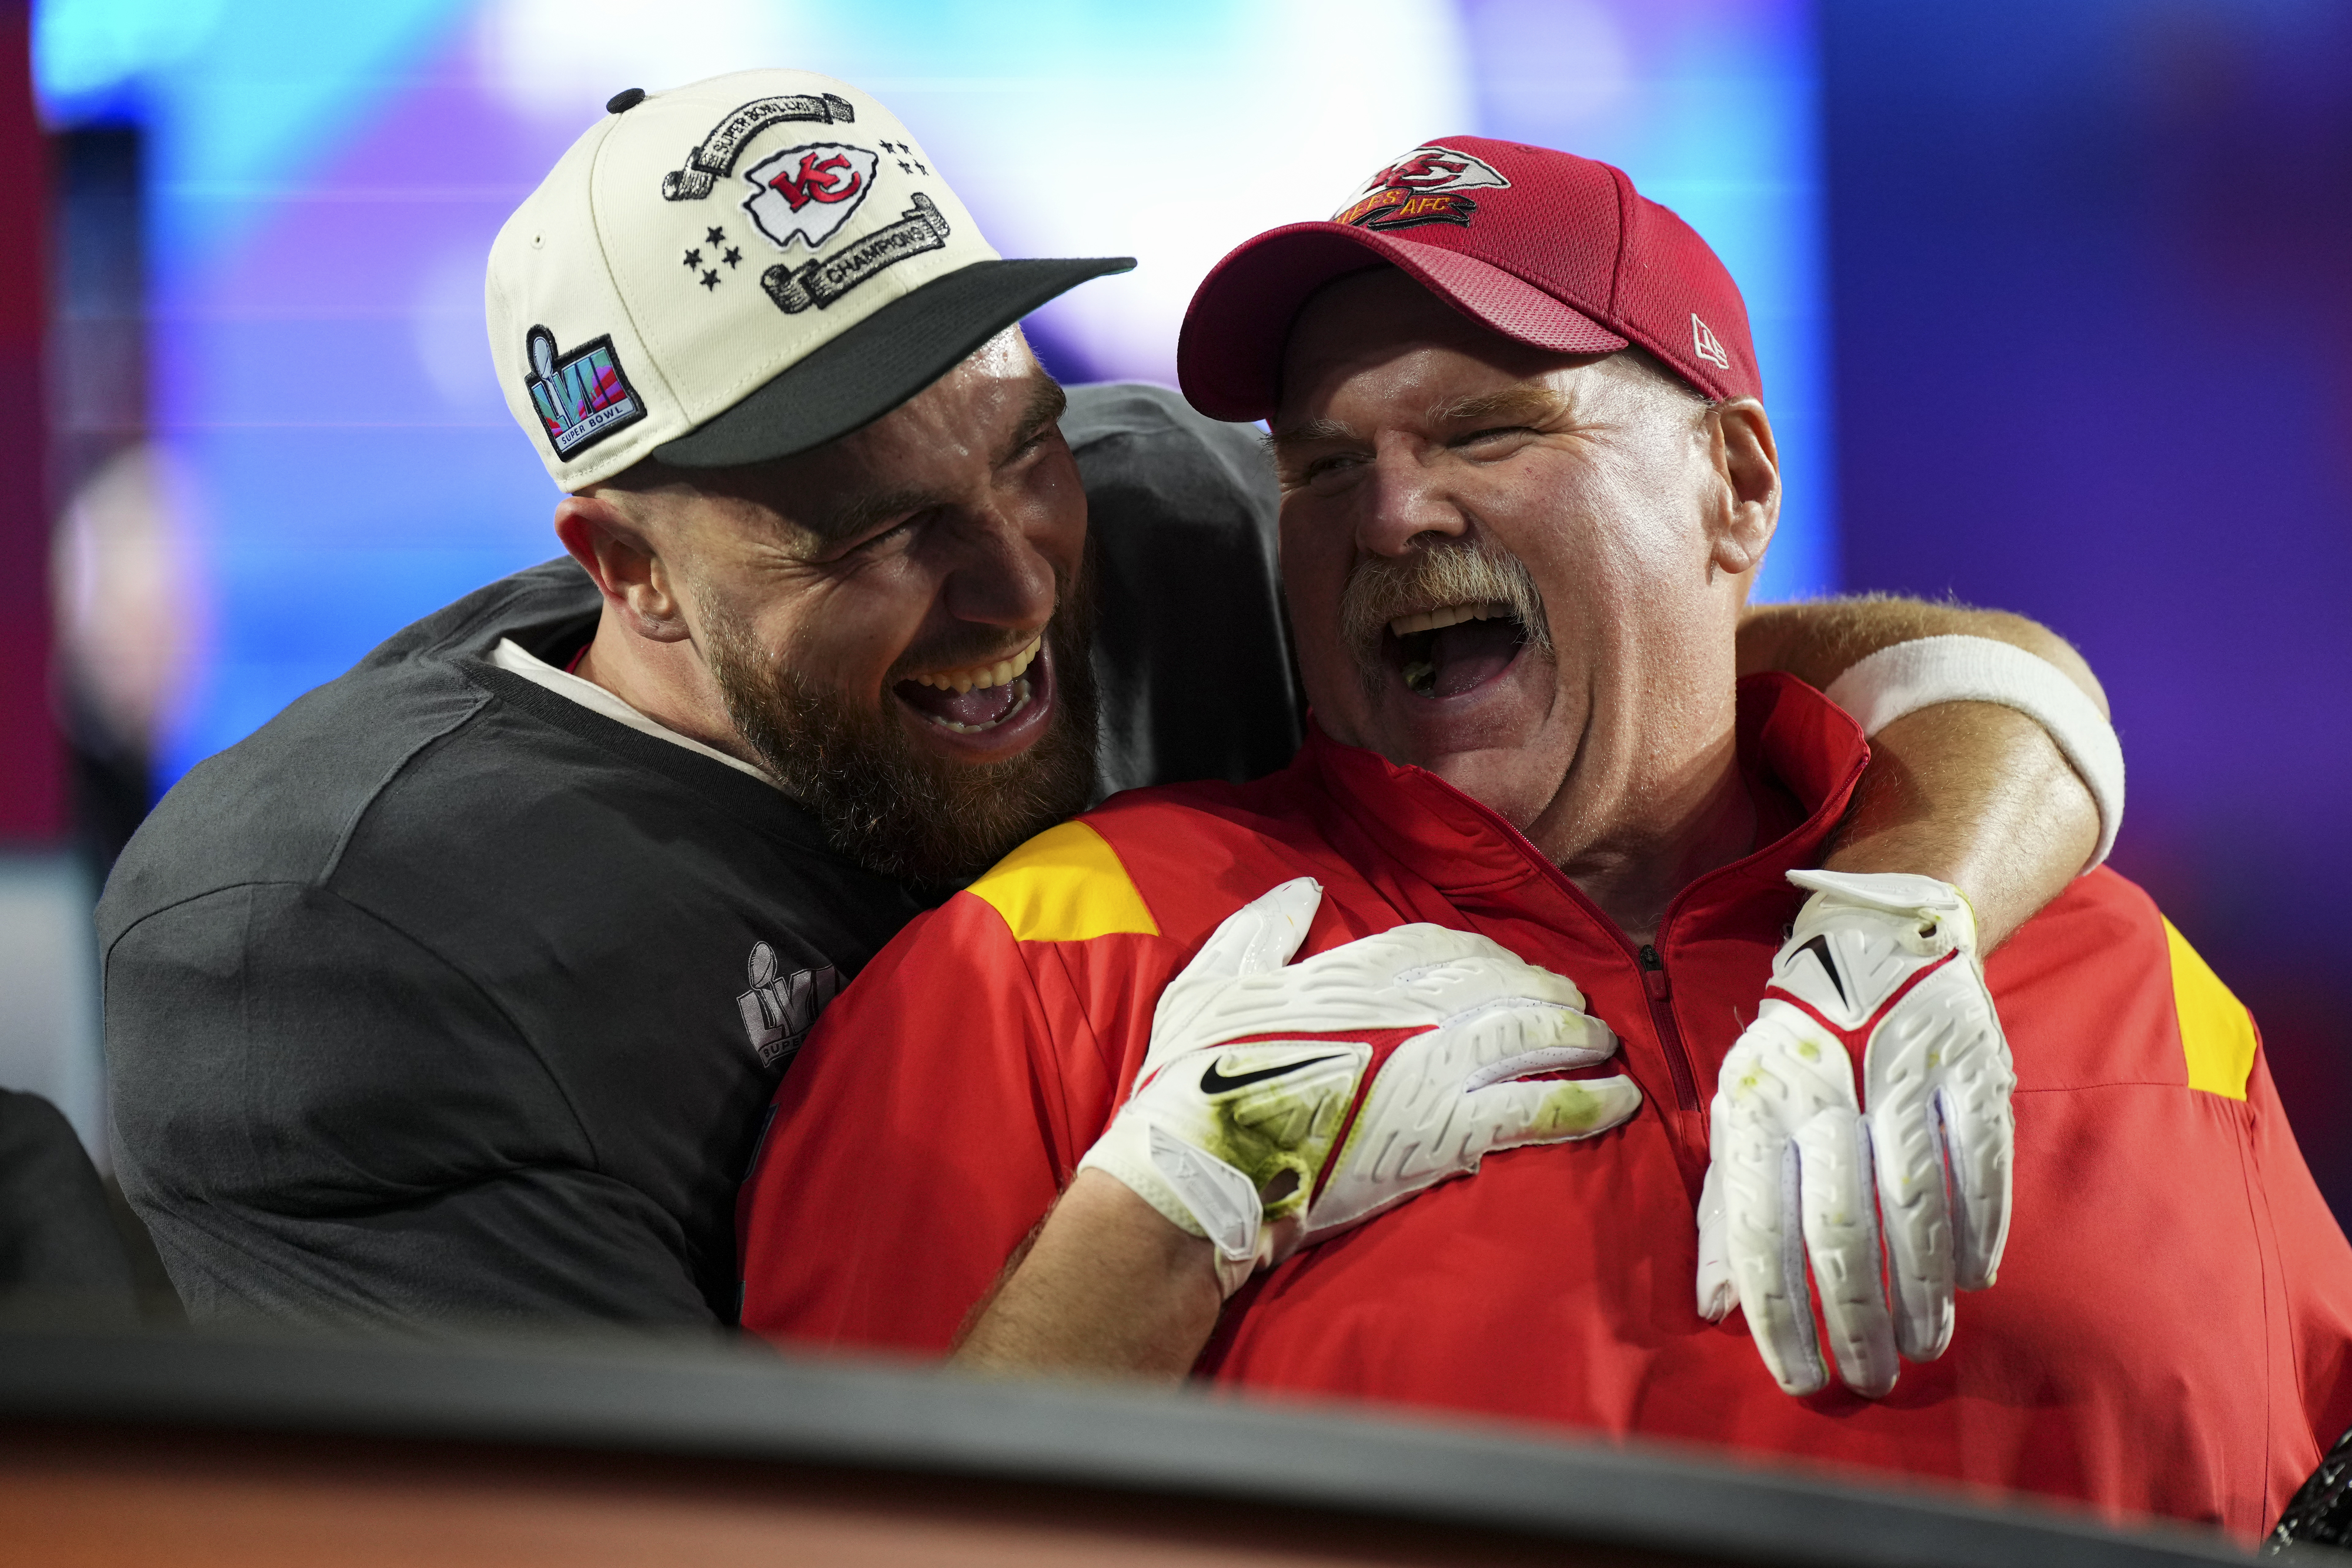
(716, 237)
(920, 167)
(732, 256)
(905, 167)
(710, 280)
(694, 258)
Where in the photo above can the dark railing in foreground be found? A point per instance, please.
(1092, 1466)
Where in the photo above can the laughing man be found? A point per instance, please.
(1526, 479)
(458, 990)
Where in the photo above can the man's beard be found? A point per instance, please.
(884, 801)
(1454, 572)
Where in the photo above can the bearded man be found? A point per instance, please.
(457, 990)
(1526, 476)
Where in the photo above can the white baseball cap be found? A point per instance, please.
(739, 270)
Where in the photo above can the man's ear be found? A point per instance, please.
(613, 549)
(1747, 462)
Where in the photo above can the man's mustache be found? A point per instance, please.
(1454, 572)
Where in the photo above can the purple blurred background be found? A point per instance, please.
(2088, 276)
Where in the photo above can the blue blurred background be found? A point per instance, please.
(2050, 298)
(323, 183)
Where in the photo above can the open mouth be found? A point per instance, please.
(1455, 648)
(979, 699)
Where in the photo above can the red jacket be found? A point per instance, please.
(2169, 1329)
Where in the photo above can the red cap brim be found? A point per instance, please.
(1229, 354)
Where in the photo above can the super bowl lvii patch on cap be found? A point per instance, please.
(582, 396)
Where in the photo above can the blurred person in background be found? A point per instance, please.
(128, 630)
(455, 992)
(1526, 477)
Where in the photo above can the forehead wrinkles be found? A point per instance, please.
(1527, 402)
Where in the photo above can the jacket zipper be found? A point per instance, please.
(1670, 1034)
(1652, 965)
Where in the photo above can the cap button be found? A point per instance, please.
(628, 99)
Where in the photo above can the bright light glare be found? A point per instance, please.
(1126, 131)
(559, 59)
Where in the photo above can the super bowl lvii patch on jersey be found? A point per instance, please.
(779, 1010)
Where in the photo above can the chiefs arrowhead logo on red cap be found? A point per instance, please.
(1423, 186)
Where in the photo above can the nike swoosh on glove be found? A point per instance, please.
(1280, 1103)
(1916, 1169)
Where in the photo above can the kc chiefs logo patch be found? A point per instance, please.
(1424, 187)
(808, 193)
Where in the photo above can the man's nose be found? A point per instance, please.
(1404, 501)
(1002, 577)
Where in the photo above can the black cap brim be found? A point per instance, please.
(861, 375)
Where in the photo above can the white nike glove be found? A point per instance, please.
(1887, 963)
(1280, 1103)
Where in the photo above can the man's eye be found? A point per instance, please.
(1328, 467)
(885, 538)
(1497, 435)
(1038, 441)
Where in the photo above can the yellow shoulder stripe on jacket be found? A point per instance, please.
(1067, 885)
(2216, 1032)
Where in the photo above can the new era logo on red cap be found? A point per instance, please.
(1546, 249)
(1707, 346)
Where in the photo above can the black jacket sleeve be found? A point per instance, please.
(322, 1120)
(59, 1251)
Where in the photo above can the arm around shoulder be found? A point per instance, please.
(2007, 792)
(1817, 641)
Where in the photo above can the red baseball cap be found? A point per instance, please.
(1546, 249)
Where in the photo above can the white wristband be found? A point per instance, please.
(1926, 671)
